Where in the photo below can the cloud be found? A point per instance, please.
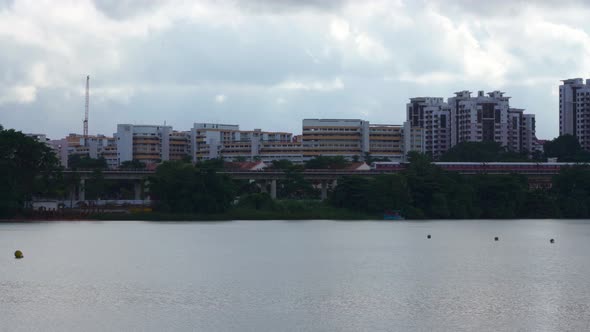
(339, 29)
(220, 99)
(22, 94)
(322, 86)
(303, 58)
(289, 5)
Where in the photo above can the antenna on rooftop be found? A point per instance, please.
(86, 110)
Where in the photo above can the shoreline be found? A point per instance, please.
(157, 217)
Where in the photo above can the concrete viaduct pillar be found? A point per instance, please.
(82, 190)
(137, 190)
(273, 189)
(324, 190)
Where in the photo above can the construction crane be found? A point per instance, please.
(86, 110)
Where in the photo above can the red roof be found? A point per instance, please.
(355, 166)
(244, 166)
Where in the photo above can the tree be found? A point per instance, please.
(183, 188)
(368, 158)
(132, 164)
(27, 168)
(572, 187)
(327, 162)
(481, 152)
(500, 196)
(282, 164)
(95, 185)
(215, 164)
(77, 161)
(566, 148)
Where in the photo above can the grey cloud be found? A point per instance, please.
(196, 54)
(6, 3)
(122, 9)
(502, 7)
(245, 62)
(291, 5)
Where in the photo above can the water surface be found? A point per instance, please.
(296, 276)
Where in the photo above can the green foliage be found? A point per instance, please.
(77, 161)
(257, 201)
(424, 190)
(500, 196)
(95, 187)
(572, 187)
(482, 152)
(327, 162)
(132, 164)
(284, 164)
(566, 148)
(212, 164)
(370, 159)
(184, 188)
(541, 204)
(27, 168)
(295, 186)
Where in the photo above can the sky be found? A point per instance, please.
(269, 64)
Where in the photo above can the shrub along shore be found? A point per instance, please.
(182, 191)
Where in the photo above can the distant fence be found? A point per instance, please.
(106, 202)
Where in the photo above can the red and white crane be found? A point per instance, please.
(86, 110)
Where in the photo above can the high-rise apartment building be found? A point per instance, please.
(574, 110)
(480, 118)
(433, 116)
(440, 125)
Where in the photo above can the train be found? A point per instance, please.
(481, 167)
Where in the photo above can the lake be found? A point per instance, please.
(296, 276)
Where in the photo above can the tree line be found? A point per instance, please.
(425, 190)
(29, 168)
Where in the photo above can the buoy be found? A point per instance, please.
(552, 241)
(428, 237)
(496, 238)
(18, 254)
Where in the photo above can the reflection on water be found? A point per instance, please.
(294, 276)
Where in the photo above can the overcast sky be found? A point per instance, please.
(270, 63)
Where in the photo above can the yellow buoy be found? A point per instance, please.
(18, 254)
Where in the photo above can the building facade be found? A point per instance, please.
(334, 137)
(434, 126)
(146, 143)
(433, 116)
(574, 110)
(213, 140)
(351, 138)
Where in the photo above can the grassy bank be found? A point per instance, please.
(279, 210)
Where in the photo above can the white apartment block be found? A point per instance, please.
(146, 143)
(467, 118)
(480, 118)
(386, 141)
(335, 137)
(60, 147)
(574, 110)
(433, 116)
(413, 137)
(350, 138)
(213, 140)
